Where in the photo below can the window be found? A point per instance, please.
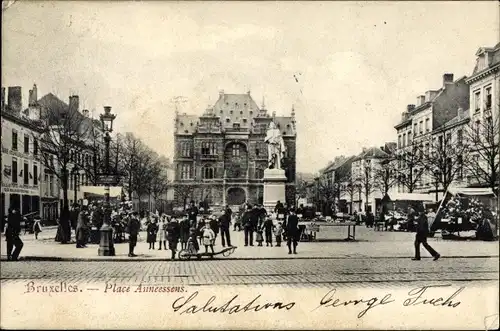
(257, 151)
(408, 139)
(427, 125)
(14, 170)
(14, 140)
(460, 164)
(488, 97)
(440, 142)
(421, 127)
(399, 142)
(208, 172)
(46, 184)
(415, 128)
(460, 135)
(26, 144)
(477, 101)
(185, 150)
(478, 126)
(186, 171)
(26, 173)
(236, 125)
(236, 150)
(404, 139)
(35, 146)
(427, 150)
(35, 175)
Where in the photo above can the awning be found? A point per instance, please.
(410, 197)
(470, 191)
(114, 191)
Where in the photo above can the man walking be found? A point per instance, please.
(292, 231)
(14, 242)
(193, 215)
(133, 230)
(173, 234)
(422, 229)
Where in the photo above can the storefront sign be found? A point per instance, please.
(20, 189)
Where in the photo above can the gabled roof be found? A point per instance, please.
(186, 124)
(374, 152)
(463, 115)
(235, 108)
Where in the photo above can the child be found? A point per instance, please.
(208, 236)
(268, 230)
(193, 234)
(37, 226)
(278, 232)
(259, 237)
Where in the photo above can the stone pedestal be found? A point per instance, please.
(274, 187)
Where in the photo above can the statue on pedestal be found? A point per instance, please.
(275, 146)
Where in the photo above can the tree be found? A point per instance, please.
(67, 138)
(300, 189)
(484, 163)
(447, 156)
(326, 190)
(409, 169)
(384, 176)
(349, 187)
(160, 182)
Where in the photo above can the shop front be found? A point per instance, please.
(24, 198)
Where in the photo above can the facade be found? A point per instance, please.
(484, 86)
(432, 111)
(221, 155)
(21, 170)
(26, 183)
(365, 173)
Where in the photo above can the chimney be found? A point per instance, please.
(85, 112)
(15, 98)
(409, 108)
(447, 79)
(33, 96)
(74, 101)
(3, 98)
(221, 94)
(382, 148)
(420, 100)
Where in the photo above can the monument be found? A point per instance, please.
(274, 175)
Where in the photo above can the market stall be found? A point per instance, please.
(396, 205)
(466, 210)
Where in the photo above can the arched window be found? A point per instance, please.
(259, 173)
(208, 172)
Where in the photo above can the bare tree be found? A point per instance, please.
(327, 193)
(385, 176)
(160, 182)
(349, 187)
(447, 156)
(366, 181)
(484, 163)
(66, 140)
(409, 169)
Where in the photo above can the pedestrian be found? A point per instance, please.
(208, 237)
(278, 232)
(248, 227)
(173, 233)
(184, 229)
(193, 214)
(199, 230)
(81, 230)
(14, 242)
(162, 235)
(214, 225)
(292, 231)
(152, 231)
(422, 230)
(370, 219)
(268, 231)
(259, 238)
(225, 223)
(193, 238)
(133, 226)
(37, 226)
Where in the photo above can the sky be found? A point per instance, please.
(348, 68)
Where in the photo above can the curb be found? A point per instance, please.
(166, 259)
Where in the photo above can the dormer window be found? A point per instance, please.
(236, 125)
(186, 131)
(228, 120)
(221, 111)
(241, 112)
(244, 120)
(231, 112)
(191, 123)
(288, 126)
(245, 104)
(182, 124)
(251, 112)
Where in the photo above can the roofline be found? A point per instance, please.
(445, 127)
(483, 73)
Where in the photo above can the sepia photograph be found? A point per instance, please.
(250, 165)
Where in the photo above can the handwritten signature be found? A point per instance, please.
(232, 306)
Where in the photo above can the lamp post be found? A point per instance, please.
(75, 182)
(106, 245)
(437, 175)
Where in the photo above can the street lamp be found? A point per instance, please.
(106, 246)
(75, 172)
(437, 175)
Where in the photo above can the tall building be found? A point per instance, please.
(221, 155)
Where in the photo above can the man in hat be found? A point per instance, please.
(225, 223)
(248, 226)
(193, 214)
(133, 230)
(422, 230)
(292, 231)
